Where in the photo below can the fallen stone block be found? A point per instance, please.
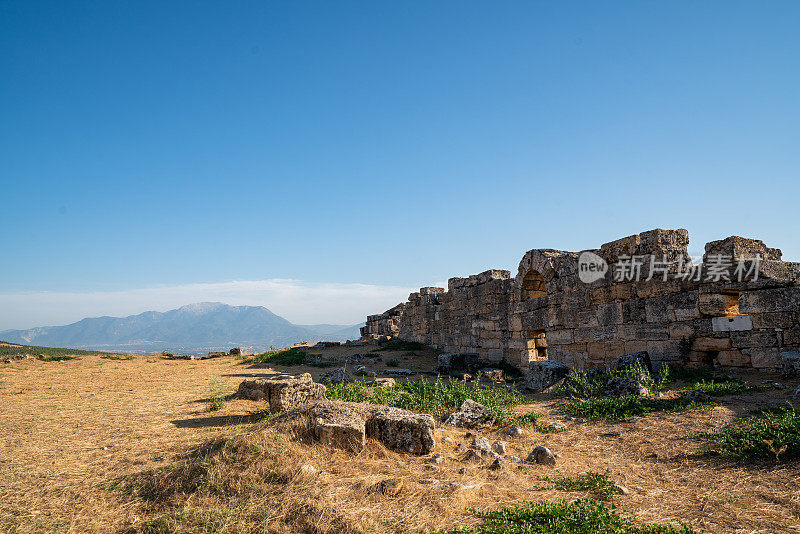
(622, 387)
(401, 430)
(790, 363)
(457, 361)
(544, 374)
(283, 392)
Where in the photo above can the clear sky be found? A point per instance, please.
(165, 148)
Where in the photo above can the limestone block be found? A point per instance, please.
(609, 314)
(754, 338)
(790, 363)
(605, 350)
(732, 324)
(403, 431)
(732, 358)
(545, 374)
(791, 337)
(668, 350)
(283, 392)
(764, 358)
(470, 415)
(637, 359)
(651, 332)
(718, 304)
(634, 311)
(343, 432)
(635, 346)
(770, 300)
(773, 320)
(711, 344)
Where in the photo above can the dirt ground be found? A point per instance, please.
(70, 428)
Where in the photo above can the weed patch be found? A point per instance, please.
(725, 387)
(278, 357)
(772, 434)
(57, 358)
(629, 406)
(439, 397)
(599, 484)
(578, 517)
(117, 357)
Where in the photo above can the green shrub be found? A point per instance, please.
(628, 406)
(116, 357)
(726, 387)
(765, 435)
(439, 397)
(589, 384)
(583, 516)
(392, 362)
(599, 484)
(278, 357)
(57, 358)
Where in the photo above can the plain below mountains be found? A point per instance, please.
(196, 327)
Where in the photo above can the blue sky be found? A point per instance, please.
(151, 146)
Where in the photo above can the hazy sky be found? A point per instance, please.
(154, 154)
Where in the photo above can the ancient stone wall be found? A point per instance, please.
(731, 310)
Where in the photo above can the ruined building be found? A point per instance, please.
(740, 307)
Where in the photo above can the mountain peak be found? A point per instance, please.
(202, 307)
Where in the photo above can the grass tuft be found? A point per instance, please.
(725, 387)
(583, 516)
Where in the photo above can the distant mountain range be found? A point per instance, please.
(196, 327)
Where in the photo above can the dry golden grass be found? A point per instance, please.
(72, 429)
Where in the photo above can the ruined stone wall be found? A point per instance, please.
(548, 312)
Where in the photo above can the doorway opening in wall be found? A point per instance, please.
(537, 345)
(533, 285)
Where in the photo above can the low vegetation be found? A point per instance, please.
(600, 485)
(49, 353)
(589, 384)
(277, 357)
(117, 357)
(770, 434)
(560, 517)
(628, 406)
(439, 397)
(724, 387)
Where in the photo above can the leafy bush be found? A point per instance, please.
(216, 402)
(583, 516)
(772, 433)
(439, 397)
(392, 362)
(600, 484)
(278, 357)
(629, 406)
(398, 344)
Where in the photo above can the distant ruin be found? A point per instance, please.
(739, 308)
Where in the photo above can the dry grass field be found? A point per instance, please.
(81, 440)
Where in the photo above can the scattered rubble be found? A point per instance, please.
(541, 455)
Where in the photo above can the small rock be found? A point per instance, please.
(447, 439)
(622, 387)
(514, 431)
(305, 472)
(558, 426)
(619, 488)
(512, 458)
(453, 486)
(541, 455)
(696, 396)
(428, 481)
(472, 456)
(381, 382)
(431, 467)
(481, 444)
(390, 486)
(398, 371)
(498, 463)
(437, 459)
(499, 447)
